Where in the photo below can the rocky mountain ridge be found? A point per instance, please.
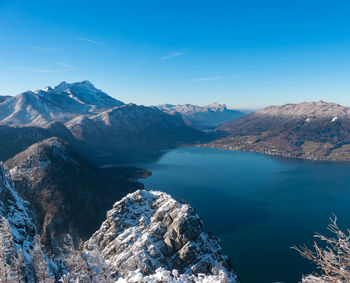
(202, 117)
(308, 130)
(148, 230)
(99, 127)
(61, 103)
(128, 132)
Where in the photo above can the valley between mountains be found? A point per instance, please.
(72, 207)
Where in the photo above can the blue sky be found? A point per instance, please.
(247, 54)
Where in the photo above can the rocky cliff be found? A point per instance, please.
(21, 256)
(147, 237)
(148, 232)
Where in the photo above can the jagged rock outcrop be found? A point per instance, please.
(309, 130)
(67, 193)
(202, 117)
(21, 256)
(148, 230)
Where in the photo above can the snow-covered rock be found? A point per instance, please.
(21, 257)
(162, 275)
(148, 233)
(147, 237)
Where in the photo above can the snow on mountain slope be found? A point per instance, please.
(130, 128)
(202, 117)
(20, 252)
(188, 109)
(311, 110)
(131, 115)
(61, 103)
(147, 233)
(162, 275)
(86, 93)
(284, 116)
(309, 130)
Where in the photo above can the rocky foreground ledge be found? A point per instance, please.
(147, 237)
(150, 237)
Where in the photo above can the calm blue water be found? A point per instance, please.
(258, 205)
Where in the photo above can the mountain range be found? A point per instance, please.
(118, 132)
(99, 127)
(202, 117)
(61, 103)
(308, 130)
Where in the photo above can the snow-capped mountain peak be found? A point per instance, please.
(84, 85)
(61, 103)
(47, 89)
(63, 86)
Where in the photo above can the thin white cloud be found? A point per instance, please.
(43, 49)
(26, 69)
(173, 55)
(91, 41)
(66, 65)
(215, 78)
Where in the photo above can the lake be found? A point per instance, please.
(258, 205)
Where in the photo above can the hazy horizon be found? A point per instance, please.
(246, 54)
